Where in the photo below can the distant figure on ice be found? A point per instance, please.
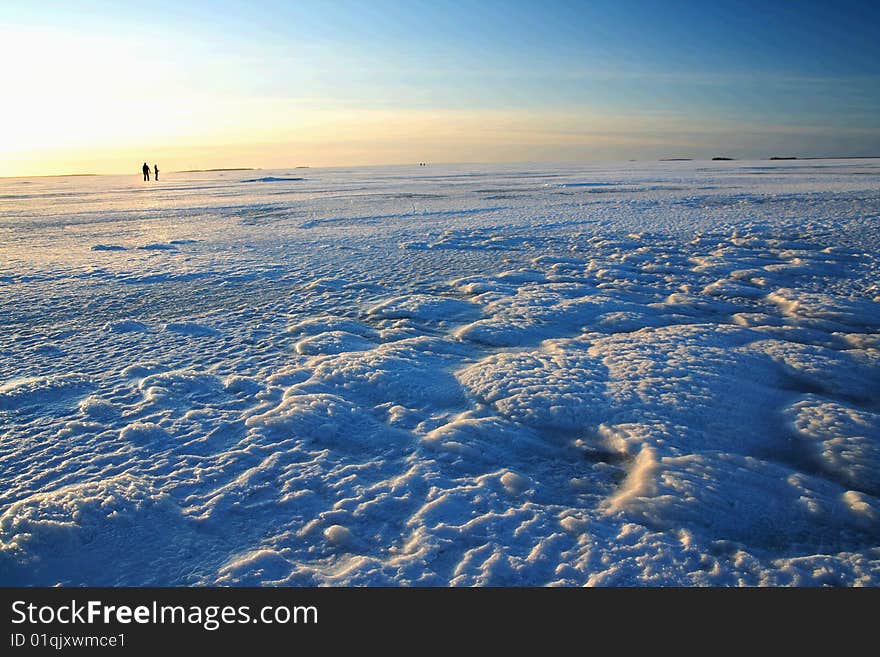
(146, 170)
(156, 172)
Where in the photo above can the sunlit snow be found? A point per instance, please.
(639, 373)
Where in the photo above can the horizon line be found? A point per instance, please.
(401, 164)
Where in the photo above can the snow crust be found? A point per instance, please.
(621, 374)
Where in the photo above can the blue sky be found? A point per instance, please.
(444, 80)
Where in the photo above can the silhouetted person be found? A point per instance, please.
(146, 170)
(155, 172)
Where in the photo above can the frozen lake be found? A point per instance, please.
(633, 373)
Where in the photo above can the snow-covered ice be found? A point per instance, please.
(633, 373)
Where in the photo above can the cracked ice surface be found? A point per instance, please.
(504, 375)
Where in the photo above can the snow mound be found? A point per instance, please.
(538, 312)
(486, 438)
(98, 409)
(810, 368)
(126, 326)
(333, 342)
(339, 536)
(255, 567)
(844, 439)
(40, 390)
(181, 386)
(242, 385)
(141, 370)
(423, 307)
(683, 375)
(329, 324)
(824, 310)
(744, 499)
(322, 419)
(143, 433)
(560, 390)
(412, 372)
(733, 289)
(72, 533)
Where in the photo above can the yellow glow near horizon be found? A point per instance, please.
(278, 133)
(104, 105)
(87, 104)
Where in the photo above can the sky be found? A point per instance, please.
(99, 87)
